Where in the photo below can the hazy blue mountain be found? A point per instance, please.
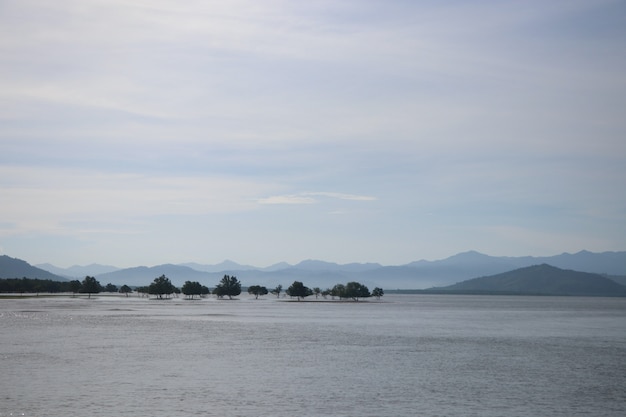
(78, 271)
(471, 264)
(311, 277)
(611, 263)
(143, 275)
(620, 279)
(276, 267)
(540, 279)
(315, 265)
(416, 275)
(226, 265)
(17, 268)
(62, 272)
(316, 273)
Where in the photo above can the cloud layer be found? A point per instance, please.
(149, 132)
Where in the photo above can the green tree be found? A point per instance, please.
(356, 290)
(125, 289)
(317, 292)
(229, 286)
(277, 290)
(338, 290)
(257, 290)
(110, 288)
(378, 292)
(192, 288)
(297, 289)
(90, 286)
(161, 286)
(75, 286)
(204, 290)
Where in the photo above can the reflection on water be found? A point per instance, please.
(406, 355)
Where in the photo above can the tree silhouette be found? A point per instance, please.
(297, 289)
(125, 289)
(229, 286)
(356, 290)
(192, 288)
(161, 286)
(75, 286)
(338, 290)
(378, 292)
(257, 290)
(277, 290)
(90, 286)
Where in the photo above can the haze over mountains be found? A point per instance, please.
(416, 275)
(78, 271)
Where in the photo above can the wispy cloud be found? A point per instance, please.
(286, 199)
(309, 198)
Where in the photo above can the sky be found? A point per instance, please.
(144, 132)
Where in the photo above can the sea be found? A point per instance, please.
(402, 355)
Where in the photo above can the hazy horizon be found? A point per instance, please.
(359, 131)
(264, 266)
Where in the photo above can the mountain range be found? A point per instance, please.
(415, 275)
(17, 268)
(538, 280)
(78, 271)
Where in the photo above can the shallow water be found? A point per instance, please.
(406, 355)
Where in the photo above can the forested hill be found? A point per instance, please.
(17, 268)
(539, 280)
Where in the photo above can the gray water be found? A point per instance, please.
(405, 355)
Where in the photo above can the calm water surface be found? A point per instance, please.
(406, 355)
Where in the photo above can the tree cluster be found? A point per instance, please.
(257, 290)
(229, 286)
(191, 289)
(34, 285)
(352, 290)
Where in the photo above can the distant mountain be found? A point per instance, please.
(611, 263)
(462, 266)
(17, 268)
(620, 279)
(78, 271)
(472, 264)
(315, 265)
(316, 273)
(277, 267)
(143, 275)
(226, 265)
(540, 280)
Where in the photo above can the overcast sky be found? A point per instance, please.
(156, 131)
